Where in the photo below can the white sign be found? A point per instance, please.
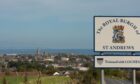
(117, 33)
(117, 61)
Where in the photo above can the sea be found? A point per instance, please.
(51, 51)
(67, 51)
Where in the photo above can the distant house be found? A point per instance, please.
(67, 73)
(56, 74)
(14, 60)
(83, 68)
(65, 59)
(49, 59)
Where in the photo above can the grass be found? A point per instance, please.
(12, 79)
(32, 80)
(54, 80)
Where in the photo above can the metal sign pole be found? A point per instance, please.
(134, 76)
(102, 77)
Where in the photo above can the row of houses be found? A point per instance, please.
(58, 61)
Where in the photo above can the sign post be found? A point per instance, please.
(102, 77)
(134, 76)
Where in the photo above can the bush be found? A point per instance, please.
(89, 77)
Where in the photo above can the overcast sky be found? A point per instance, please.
(56, 23)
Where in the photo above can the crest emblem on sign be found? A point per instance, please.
(100, 61)
(118, 34)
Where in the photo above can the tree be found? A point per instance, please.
(4, 81)
(39, 79)
(50, 70)
(25, 79)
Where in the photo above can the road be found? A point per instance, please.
(115, 81)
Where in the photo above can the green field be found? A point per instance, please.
(32, 80)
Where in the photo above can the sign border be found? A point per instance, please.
(94, 49)
(115, 67)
